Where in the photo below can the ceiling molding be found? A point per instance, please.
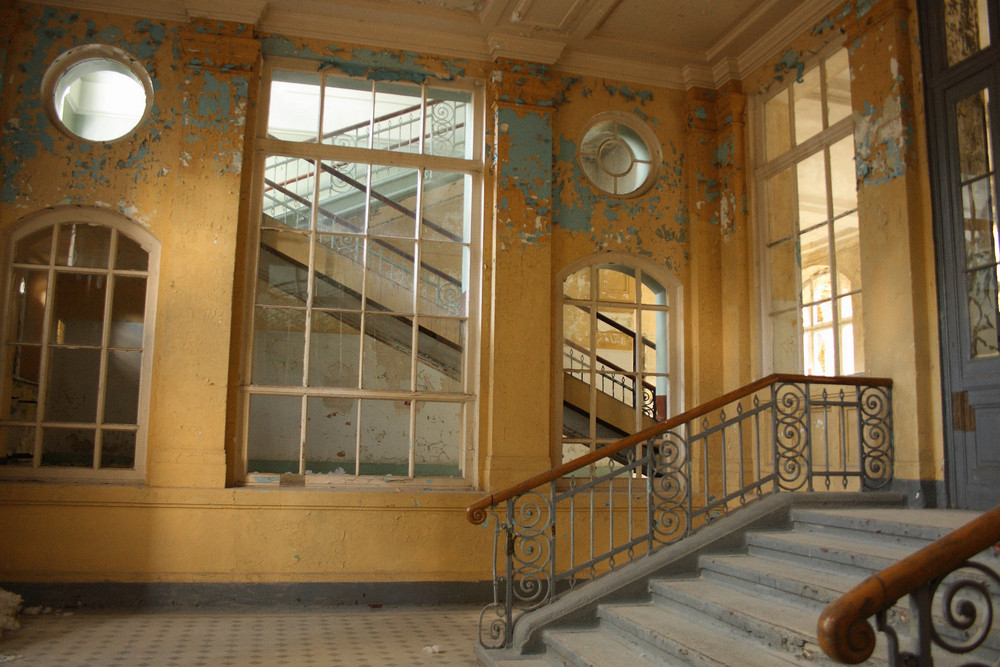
(520, 46)
(660, 74)
(238, 11)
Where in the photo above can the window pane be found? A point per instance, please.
(130, 255)
(973, 135)
(278, 346)
(777, 132)
(293, 114)
(449, 120)
(576, 332)
(784, 277)
(397, 117)
(118, 449)
(273, 437)
(28, 305)
(347, 112)
(393, 202)
(440, 358)
(282, 275)
(127, 312)
(81, 245)
(577, 285)
(811, 174)
(615, 285)
(967, 29)
(334, 349)
(446, 213)
(843, 176)
(808, 106)
(25, 363)
(815, 251)
(342, 191)
(68, 447)
(18, 444)
(848, 248)
(852, 349)
(616, 339)
(780, 216)
(654, 334)
(389, 284)
(443, 271)
(78, 311)
(331, 431)
(121, 403)
(72, 385)
(36, 248)
(385, 437)
(289, 189)
(388, 352)
(838, 87)
(438, 439)
(338, 272)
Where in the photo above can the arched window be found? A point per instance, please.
(619, 352)
(78, 313)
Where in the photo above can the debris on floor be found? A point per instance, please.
(10, 604)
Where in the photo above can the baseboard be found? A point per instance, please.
(922, 492)
(223, 596)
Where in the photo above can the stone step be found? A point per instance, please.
(834, 553)
(905, 526)
(596, 648)
(686, 639)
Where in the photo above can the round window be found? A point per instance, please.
(619, 154)
(97, 93)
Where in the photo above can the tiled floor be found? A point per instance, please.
(342, 636)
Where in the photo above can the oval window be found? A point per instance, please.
(97, 93)
(619, 154)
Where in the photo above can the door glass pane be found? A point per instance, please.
(983, 308)
(973, 128)
(17, 443)
(966, 28)
(977, 201)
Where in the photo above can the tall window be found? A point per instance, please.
(807, 186)
(366, 290)
(620, 372)
(77, 315)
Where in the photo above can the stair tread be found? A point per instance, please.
(941, 519)
(822, 585)
(694, 637)
(779, 613)
(596, 647)
(819, 543)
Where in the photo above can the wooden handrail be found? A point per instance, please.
(843, 629)
(476, 512)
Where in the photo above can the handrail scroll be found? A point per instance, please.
(587, 517)
(958, 623)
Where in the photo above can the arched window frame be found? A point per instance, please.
(674, 334)
(145, 239)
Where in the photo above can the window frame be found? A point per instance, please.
(819, 143)
(108, 219)
(475, 167)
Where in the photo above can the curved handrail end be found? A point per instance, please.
(843, 630)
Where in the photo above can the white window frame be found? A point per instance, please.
(266, 146)
(763, 169)
(149, 243)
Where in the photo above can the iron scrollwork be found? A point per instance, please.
(791, 435)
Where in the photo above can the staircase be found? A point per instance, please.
(746, 591)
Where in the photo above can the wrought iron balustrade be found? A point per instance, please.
(951, 601)
(608, 378)
(784, 433)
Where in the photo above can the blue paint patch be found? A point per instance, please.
(790, 61)
(723, 155)
(630, 95)
(863, 7)
(528, 167)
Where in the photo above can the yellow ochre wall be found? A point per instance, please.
(183, 176)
